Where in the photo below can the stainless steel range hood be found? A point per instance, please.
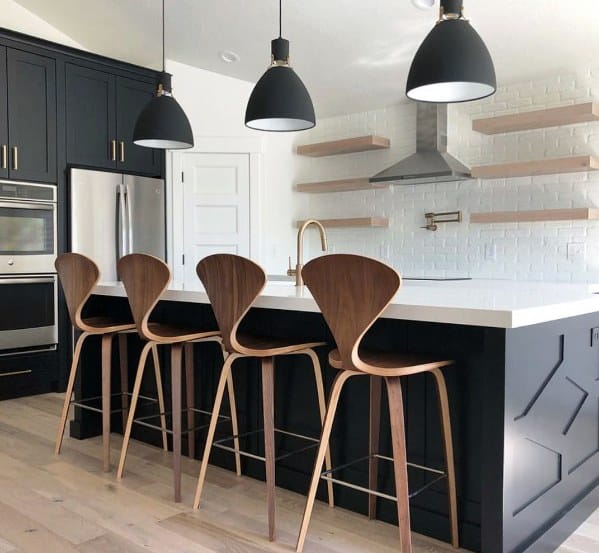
(431, 162)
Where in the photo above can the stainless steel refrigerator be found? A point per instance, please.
(112, 215)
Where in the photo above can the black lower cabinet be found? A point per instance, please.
(28, 374)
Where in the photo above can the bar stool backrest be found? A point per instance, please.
(145, 278)
(351, 291)
(232, 283)
(78, 275)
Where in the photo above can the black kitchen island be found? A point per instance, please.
(524, 397)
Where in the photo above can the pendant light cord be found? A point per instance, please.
(280, 19)
(163, 33)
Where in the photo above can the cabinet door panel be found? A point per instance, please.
(31, 116)
(90, 114)
(3, 115)
(131, 97)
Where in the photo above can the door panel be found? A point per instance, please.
(3, 115)
(90, 114)
(216, 210)
(131, 97)
(32, 116)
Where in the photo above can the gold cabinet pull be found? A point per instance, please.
(15, 373)
(113, 150)
(15, 158)
(4, 156)
(122, 147)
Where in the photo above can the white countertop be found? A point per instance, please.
(493, 303)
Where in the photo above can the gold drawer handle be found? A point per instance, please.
(15, 373)
(15, 158)
(113, 150)
(122, 144)
(4, 156)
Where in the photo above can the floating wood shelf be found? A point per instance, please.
(539, 167)
(345, 146)
(343, 185)
(538, 119)
(578, 214)
(354, 222)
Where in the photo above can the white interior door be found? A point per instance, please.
(216, 207)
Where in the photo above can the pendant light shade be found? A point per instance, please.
(163, 123)
(280, 101)
(453, 63)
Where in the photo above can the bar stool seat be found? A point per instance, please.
(391, 363)
(168, 333)
(265, 346)
(103, 325)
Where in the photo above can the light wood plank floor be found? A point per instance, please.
(66, 504)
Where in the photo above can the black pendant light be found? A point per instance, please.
(162, 123)
(452, 64)
(280, 102)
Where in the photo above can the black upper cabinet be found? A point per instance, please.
(3, 116)
(131, 97)
(90, 124)
(101, 111)
(28, 116)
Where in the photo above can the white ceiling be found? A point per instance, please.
(353, 55)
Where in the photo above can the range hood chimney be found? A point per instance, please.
(431, 162)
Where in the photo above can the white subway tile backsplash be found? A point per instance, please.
(526, 251)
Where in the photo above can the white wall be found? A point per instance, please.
(16, 18)
(528, 251)
(215, 105)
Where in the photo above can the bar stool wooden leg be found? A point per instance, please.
(375, 426)
(233, 413)
(160, 393)
(449, 459)
(220, 391)
(134, 397)
(69, 393)
(323, 410)
(400, 461)
(338, 384)
(124, 368)
(106, 393)
(268, 408)
(190, 399)
(176, 354)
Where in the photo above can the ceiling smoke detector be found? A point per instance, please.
(228, 56)
(423, 4)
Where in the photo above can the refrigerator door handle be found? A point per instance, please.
(121, 222)
(129, 217)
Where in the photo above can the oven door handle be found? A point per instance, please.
(29, 280)
(28, 205)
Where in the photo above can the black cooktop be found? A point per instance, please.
(437, 278)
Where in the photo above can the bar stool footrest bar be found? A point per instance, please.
(220, 444)
(141, 421)
(327, 475)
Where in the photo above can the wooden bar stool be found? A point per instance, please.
(146, 278)
(78, 275)
(233, 283)
(352, 292)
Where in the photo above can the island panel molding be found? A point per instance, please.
(344, 146)
(353, 222)
(574, 214)
(341, 185)
(555, 166)
(538, 119)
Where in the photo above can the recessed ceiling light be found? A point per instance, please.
(424, 4)
(228, 56)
